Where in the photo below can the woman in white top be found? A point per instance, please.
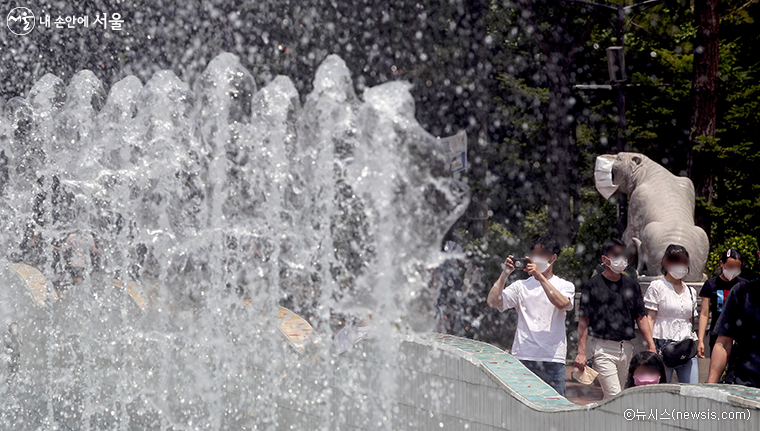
(672, 305)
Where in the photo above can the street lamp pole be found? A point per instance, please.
(620, 35)
(616, 63)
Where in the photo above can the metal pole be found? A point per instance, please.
(622, 203)
(620, 30)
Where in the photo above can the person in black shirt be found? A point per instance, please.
(610, 305)
(714, 294)
(738, 336)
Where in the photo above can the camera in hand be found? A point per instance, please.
(521, 262)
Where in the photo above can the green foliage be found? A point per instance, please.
(535, 223)
(659, 46)
(598, 224)
(489, 253)
(746, 245)
(570, 264)
(735, 208)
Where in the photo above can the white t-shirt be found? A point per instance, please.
(541, 330)
(674, 311)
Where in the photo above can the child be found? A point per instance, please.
(646, 368)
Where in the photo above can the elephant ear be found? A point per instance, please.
(637, 167)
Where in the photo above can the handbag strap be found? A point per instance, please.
(693, 304)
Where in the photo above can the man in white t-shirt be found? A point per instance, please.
(541, 302)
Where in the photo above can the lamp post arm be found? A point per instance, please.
(596, 7)
(644, 6)
(592, 4)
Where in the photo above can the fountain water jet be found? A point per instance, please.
(219, 203)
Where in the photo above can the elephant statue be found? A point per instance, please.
(660, 211)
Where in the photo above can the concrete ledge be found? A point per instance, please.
(502, 367)
(447, 382)
(507, 370)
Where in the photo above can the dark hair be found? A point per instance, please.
(547, 243)
(731, 253)
(610, 244)
(673, 250)
(646, 359)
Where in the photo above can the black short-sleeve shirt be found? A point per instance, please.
(740, 320)
(612, 307)
(717, 290)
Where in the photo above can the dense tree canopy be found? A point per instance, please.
(660, 46)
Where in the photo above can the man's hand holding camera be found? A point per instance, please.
(532, 269)
(495, 299)
(508, 267)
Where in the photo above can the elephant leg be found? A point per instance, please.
(699, 247)
(634, 254)
(629, 235)
(653, 243)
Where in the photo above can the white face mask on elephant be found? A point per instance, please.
(603, 177)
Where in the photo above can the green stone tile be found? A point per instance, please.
(508, 369)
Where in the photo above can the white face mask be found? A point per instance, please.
(618, 265)
(603, 177)
(541, 263)
(731, 274)
(678, 271)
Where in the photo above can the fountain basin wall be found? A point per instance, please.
(446, 382)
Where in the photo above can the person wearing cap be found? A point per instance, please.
(714, 294)
(610, 306)
(738, 338)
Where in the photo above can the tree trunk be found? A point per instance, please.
(705, 99)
